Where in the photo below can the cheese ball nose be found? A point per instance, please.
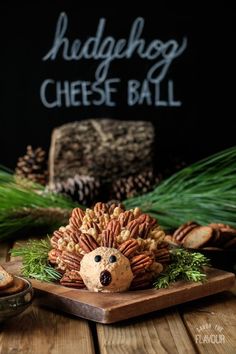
(105, 278)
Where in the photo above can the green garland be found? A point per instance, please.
(204, 192)
(25, 206)
(35, 260)
(185, 265)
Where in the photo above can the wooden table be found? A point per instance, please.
(182, 329)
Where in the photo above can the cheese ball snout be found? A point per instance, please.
(105, 278)
(106, 269)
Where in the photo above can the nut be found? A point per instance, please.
(71, 260)
(53, 256)
(76, 218)
(146, 218)
(115, 227)
(73, 279)
(88, 243)
(128, 247)
(100, 209)
(57, 235)
(133, 227)
(140, 262)
(144, 229)
(108, 239)
(141, 281)
(125, 217)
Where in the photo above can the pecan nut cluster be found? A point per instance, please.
(134, 234)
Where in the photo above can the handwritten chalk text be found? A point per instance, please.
(105, 50)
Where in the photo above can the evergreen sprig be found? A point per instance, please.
(204, 191)
(185, 265)
(26, 206)
(35, 260)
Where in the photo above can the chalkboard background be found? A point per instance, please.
(202, 77)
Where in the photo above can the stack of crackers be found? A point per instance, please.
(9, 284)
(211, 237)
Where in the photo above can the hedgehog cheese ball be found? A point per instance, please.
(108, 249)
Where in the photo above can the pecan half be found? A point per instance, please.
(76, 218)
(72, 279)
(71, 260)
(133, 228)
(114, 226)
(113, 206)
(100, 208)
(141, 281)
(55, 237)
(147, 218)
(144, 229)
(88, 243)
(128, 247)
(72, 235)
(140, 262)
(125, 218)
(108, 239)
(53, 256)
(162, 255)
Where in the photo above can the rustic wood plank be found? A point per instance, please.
(162, 333)
(213, 320)
(110, 308)
(39, 330)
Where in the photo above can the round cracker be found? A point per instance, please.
(181, 236)
(178, 233)
(198, 237)
(6, 279)
(18, 285)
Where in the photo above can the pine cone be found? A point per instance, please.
(128, 187)
(33, 166)
(83, 189)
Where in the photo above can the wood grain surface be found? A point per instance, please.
(163, 332)
(45, 331)
(215, 318)
(39, 330)
(110, 308)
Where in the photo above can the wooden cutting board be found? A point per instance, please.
(110, 308)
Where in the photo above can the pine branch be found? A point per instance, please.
(25, 206)
(35, 261)
(185, 265)
(204, 192)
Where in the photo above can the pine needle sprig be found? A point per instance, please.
(185, 265)
(35, 260)
(204, 191)
(26, 206)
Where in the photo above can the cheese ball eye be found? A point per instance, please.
(112, 259)
(97, 258)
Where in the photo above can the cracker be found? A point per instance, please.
(198, 237)
(182, 231)
(17, 286)
(6, 279)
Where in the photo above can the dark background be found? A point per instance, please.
(203, 76)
